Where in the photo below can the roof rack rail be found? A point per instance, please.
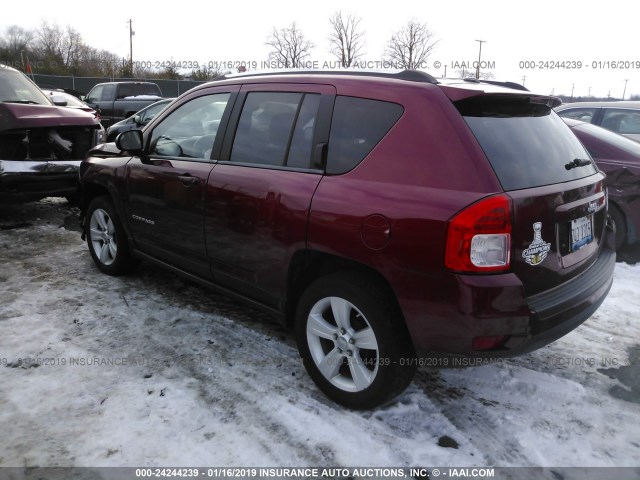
(514, 85)
(408, 75)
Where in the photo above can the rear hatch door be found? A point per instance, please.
(559, 203)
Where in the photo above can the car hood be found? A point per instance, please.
(17, 116)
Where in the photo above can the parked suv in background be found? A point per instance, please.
(619, 117)
(380, 215)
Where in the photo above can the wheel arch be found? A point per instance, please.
(306, 266)
(94, 189)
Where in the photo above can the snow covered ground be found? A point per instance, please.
(151, 370)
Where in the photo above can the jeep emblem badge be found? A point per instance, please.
(538, 249)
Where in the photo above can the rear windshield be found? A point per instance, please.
(137, 89)
(527, 144)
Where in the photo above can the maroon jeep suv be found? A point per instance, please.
(383, 216)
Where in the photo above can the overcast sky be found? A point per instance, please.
(594, 33)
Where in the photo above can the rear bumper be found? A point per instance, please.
(23, 181)
(487, 306)
(558, 311)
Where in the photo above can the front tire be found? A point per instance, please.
(353, 341)
(106, 238)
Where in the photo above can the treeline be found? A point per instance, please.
(54, 50)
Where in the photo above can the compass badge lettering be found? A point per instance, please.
(538, 249)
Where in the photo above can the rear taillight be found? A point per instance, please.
(479, 237)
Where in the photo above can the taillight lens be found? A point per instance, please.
(479, 237)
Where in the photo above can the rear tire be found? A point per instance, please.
(106, 238)
(353, 341)
(621, 225)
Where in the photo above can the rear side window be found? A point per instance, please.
(527, 144)
(277, 129)
(357, 126)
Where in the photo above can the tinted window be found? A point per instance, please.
(96, 94)
(302, 142)
(152, 111)
(582, 114)
(135, 89)
(265, 127)
(621, 121)
(527, 144)
(357, 126)
(108, 92)
(190, 130)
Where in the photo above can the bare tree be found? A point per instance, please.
(411, 46)
(18, 40)
(289, 47)
(345, 40)
(71, 44)
(50, 41)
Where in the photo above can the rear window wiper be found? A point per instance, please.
(578, 162)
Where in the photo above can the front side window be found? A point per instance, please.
(96, 94)
(190, 130)
(276, 128)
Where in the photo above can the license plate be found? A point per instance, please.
(581, 233)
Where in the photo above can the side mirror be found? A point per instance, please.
(130, 141)
(59, 100)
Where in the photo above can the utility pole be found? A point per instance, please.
(131, 34)
(524, 77)
(573, 86)
(589, 95)
(625, 88)
(479, 57)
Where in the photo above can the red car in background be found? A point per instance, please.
(619, 158)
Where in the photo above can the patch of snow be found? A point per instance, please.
(150, 370)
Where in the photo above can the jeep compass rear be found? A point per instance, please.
(381, 216)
